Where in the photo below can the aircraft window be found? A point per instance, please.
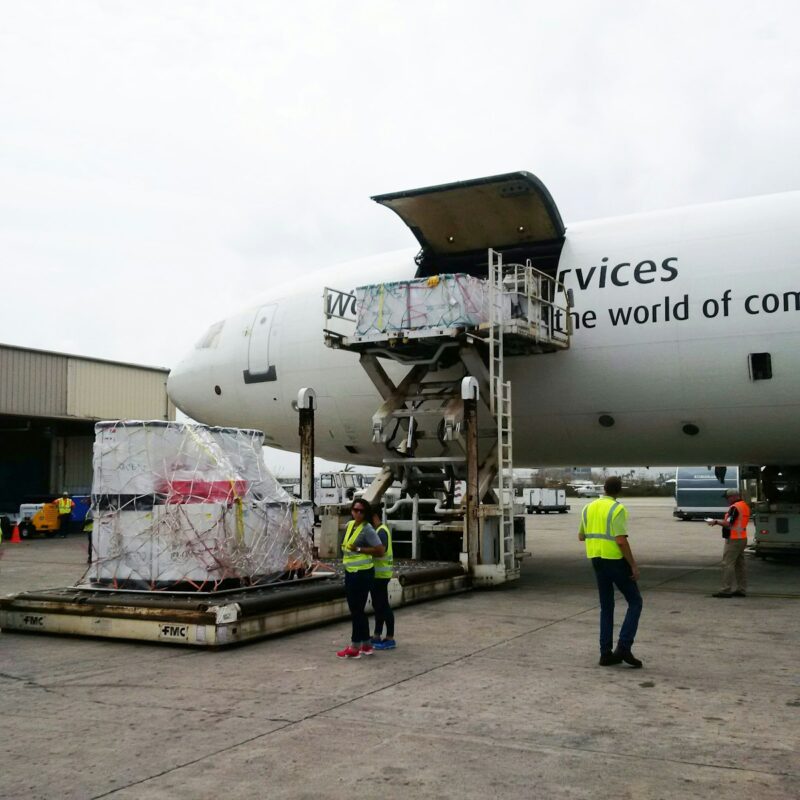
(326, 482)
(211, 337)
(760, 366)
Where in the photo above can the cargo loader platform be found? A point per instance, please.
(213, 619)
(453, 333)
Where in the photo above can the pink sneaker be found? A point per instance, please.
(367, 650)
(349, 652)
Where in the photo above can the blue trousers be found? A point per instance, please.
(356, 586)
(383, 611)
(610, 573)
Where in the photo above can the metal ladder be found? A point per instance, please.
(500, 405)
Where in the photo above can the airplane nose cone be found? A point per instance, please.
(182, 384)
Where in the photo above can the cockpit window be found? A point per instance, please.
(211, 337)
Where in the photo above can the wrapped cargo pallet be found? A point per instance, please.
(442, 301)
(182, 506)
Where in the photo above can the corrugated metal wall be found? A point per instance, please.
(37, 384)
(32, 384)
(71, 465)
(111, 391)
(77, 465)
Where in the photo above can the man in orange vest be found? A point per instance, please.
(734, 531)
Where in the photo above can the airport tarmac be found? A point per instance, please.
(489, 694)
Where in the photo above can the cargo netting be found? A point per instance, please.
(186, 507)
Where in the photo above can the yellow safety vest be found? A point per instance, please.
(354, 562)
(64, 505)
(597, 518)
(385, 564)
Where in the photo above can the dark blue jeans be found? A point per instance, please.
(357, 585)
(383, 611)
(610, 573)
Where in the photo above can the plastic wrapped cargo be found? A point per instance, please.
(443, 301)
(184, 506)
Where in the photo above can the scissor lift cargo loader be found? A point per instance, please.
(447, 368)
(453, 407)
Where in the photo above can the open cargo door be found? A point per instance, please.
(456, 223)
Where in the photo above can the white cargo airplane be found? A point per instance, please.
(685, 345)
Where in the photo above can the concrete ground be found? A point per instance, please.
(489, 694)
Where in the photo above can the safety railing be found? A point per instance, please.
(529, 296)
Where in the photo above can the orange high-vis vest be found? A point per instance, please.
(739, 527)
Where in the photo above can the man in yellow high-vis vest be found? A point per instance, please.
(604, 529)
(64, 505)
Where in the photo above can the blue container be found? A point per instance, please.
(83, 503)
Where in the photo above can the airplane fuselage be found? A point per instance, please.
(673, 314)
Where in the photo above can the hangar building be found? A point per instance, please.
(49, 403)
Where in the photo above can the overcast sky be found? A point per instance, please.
(162, 161)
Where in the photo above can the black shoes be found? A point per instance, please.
(722, 594)
(628, 657)
(608, 659)
(739, 593)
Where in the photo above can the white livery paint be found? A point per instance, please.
(668, 308)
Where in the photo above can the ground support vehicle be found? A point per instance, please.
(41, 519)
(544, 501)
(776, 512)
(700, 491)
(38, 519)
(334, 488)
(449, 420)
(777, 529)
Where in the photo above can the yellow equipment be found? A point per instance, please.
(45, 520)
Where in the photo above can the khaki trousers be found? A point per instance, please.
(733, 565)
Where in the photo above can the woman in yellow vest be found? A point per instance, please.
(384, 566)
(359, 546)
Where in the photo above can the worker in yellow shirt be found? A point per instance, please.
(603, 528)
(64, 506)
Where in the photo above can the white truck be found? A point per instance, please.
(334, 488)
(543, 501)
